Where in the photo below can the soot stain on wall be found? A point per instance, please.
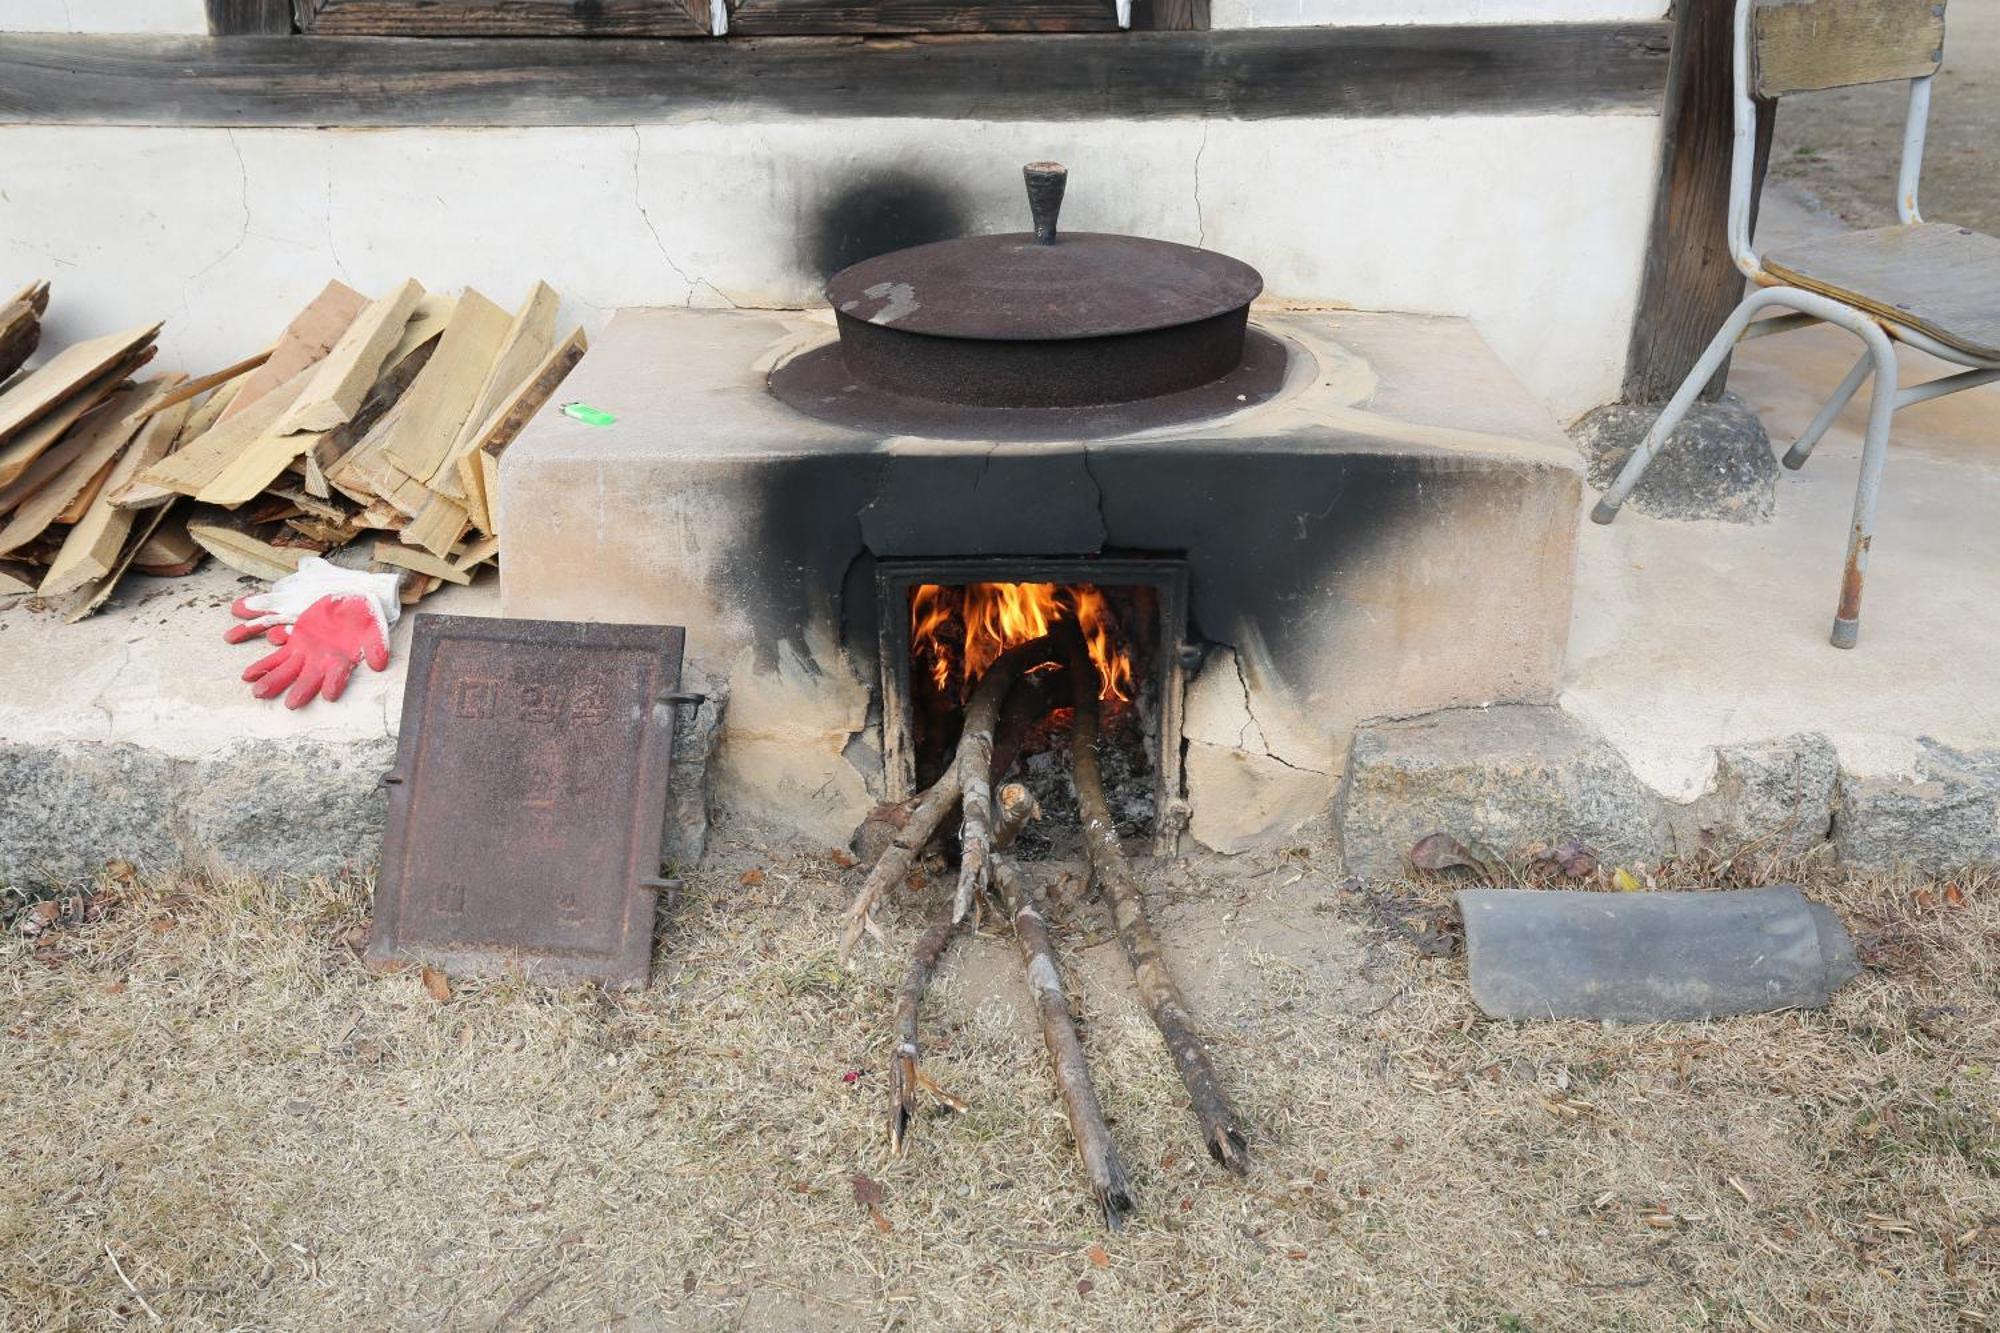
(790, 568)
(1268, 534)
(879, 211)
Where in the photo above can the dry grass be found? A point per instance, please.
(207, 1088)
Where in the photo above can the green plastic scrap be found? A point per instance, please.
(590, 416)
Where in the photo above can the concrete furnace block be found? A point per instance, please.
(1394, 533)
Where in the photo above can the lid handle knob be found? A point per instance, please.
(1045, 196)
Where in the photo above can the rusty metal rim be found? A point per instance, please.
(819, 383)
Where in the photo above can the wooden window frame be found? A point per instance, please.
(503, 18)
(695, 18)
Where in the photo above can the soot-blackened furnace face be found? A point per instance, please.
(943, 621)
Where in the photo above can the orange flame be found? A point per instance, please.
(956, 630)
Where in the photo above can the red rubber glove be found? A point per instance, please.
(319, 654)
(268, 612)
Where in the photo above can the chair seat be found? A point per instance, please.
(1938, 279)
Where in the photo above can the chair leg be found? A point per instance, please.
(1796, 456)
(1861, 534)
(1677, 407)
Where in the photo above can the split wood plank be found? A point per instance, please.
(169, 550)
(315, 477)
(91, 550)
(102, 436)
(439, 525)
(246, 554)
(21, 328)
(527, 344)
(508, 417)
(199, 462)
(141, 494)
(80, 505)
(67, 371)
(195, 388)
(386, 393)
(305, 342)
(476, 553)
(261, 462)
(442, 397)
(433, 313)
(19, 458)
(419, 562)
(341, 382)
(86, 600)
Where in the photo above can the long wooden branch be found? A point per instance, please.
(1115, 880)
(906, 1074)
(1108, 1182)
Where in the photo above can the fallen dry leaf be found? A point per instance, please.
(436, 984)
(1570, 860)
(1441, 851)
(843, 858)
(882, 1223)
(866, 1192)
(753, 877)
(1098, 1258)
(1954, 895)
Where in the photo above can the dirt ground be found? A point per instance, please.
(1841, 148)
(212, 1116)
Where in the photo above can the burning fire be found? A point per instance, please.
(956, 630)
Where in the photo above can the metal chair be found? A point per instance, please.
(1934, 287)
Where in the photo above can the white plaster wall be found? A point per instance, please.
(182, 16)
(1297, 13)
(1532, 226)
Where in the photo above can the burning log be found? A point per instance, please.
(975, 768)
(1115, 880)
(1094, 1144)
(935, 805)
(906, 1074)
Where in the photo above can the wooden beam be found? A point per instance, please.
(1245, 74)
(1691, 282)
(234, 18)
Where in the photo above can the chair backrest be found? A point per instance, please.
(1801, 45)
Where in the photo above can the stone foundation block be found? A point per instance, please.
(1500, 780)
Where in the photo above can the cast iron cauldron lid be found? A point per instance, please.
(1039, 286)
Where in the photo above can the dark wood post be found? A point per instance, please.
(1169, 15)
(1691, 283)
(232, 18)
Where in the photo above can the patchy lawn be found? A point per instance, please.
(212, 1115)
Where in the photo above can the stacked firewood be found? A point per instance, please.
(988, 825)
(382, 419)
